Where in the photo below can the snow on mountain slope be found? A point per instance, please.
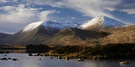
(48, 25)
(59, 25)
(99, 21)
(103, 21)
(32, 26)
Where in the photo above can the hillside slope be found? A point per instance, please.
(3, 38)
(75, 36)
(36, 36)
(120, 35)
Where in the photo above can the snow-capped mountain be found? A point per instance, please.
(47, 32)
(59, 25)
(102, 21)
(49, 25)
(39, 32)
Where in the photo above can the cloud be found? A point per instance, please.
(44, 14)
(19, 16)
(53, 3)
(5, 1)
(93, 7)
(90, 8)
(129, 11)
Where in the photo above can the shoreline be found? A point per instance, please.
(62, 56)
(110, 51)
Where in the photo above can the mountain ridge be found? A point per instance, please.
(102, 21)
(50, 32)
(4, 38)
(36, 36)
(75, 36)
(97, 22)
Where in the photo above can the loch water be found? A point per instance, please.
(23, 60)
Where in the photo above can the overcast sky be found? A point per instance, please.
(16, 14)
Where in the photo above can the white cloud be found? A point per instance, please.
(90, 8)
(5, 1)
(43, 15)
(93, 8)
(19, 16)
(129, 11)
(53, 3)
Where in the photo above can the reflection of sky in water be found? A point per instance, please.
(46, 62)
(102, 63)
(27, 61)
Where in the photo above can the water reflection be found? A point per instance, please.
(100, 63)
(38, 61)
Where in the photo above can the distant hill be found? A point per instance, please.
(75, 36)
(3, 38)
(120, 35)
(36, 36)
